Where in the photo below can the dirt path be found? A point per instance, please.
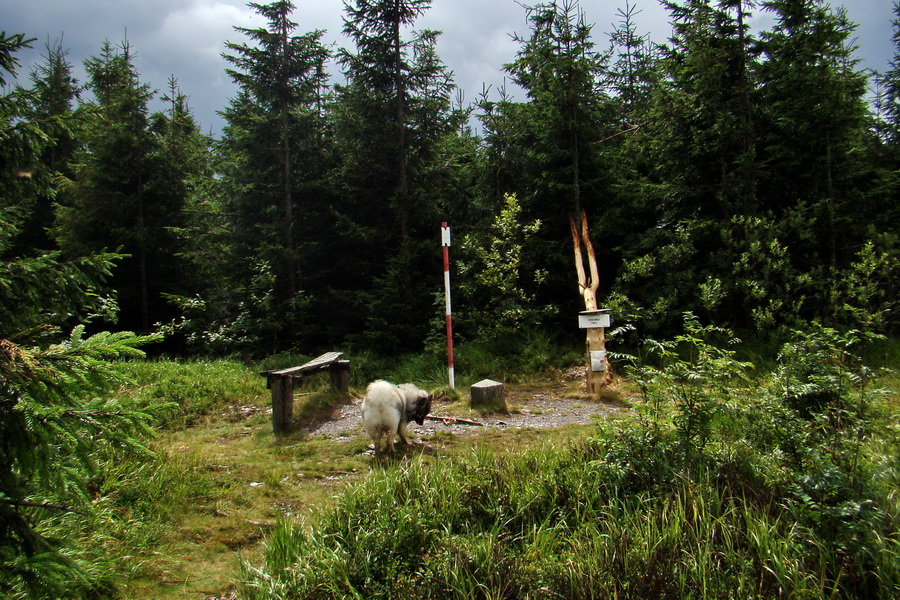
(553, 405)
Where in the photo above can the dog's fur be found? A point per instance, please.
(387, 408)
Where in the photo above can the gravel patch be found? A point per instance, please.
(527, 409)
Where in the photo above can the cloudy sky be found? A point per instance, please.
(185, 38)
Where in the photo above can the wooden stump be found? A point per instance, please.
(488, 394)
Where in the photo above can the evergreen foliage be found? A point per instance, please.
(564, 167)
(52, 101)
(274, 189)
(888, 101)
(128, 184)
(250, 235)
(54, 410)
(776, 231)
(391, 117)
(741, 175)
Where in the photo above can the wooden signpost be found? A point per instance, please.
(593, 320)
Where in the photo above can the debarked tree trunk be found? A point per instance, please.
(597, 372)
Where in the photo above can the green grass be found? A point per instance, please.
(764, 502)
(772, 506)
(221, 480)
(546, 523)
(197, 388)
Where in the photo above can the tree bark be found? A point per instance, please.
(288, 200)
(400, 90)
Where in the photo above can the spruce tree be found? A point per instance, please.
(812, 112)
(282, 72)
(505, 154)
(55, 409)
(19, 139)
(274, 156)
(633, 77)
(888, 100)
(632, 74)
(185, 167)
(691, 166)
(566, 115)
(380, 89)
(706, 142)
(820, 155)
(567, 111)
(390, 119)
(53, 96)
(109, 201)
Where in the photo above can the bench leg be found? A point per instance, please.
(282, 403)
(340, 375)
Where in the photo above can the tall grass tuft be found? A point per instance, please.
(196, 387)
(543, 525)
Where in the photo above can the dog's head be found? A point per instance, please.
(421, 409)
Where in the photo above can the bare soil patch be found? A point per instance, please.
(555, 403)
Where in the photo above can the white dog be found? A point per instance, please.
(387, 409)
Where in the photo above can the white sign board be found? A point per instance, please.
(593, 319)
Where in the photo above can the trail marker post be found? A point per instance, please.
(445, 244)
(595, 322)
(591, 319)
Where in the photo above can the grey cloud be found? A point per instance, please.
(185, 38)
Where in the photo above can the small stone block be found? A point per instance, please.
(489, 394)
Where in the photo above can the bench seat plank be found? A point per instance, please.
(318, 363)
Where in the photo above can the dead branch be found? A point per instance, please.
(615, 135)
(452, 420)
(579, 258)
(259, 524)
(592, 257)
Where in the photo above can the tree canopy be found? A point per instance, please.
(744, 174)
(53, 412)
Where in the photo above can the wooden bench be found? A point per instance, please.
(282, 385)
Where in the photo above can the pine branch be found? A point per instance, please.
(10, 502)
(631, 129)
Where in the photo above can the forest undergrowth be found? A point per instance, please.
(723, 485)
(727, 480)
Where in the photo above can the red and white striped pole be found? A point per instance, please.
(445, 242)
